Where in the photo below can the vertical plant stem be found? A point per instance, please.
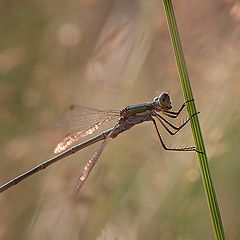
(197, 135)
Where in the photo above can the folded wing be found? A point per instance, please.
(80, 122)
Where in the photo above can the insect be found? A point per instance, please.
(81, 121)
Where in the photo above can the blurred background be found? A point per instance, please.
(109, 54)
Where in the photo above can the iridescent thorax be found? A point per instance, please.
(160, 103)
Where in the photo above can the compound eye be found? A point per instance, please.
(165, 101)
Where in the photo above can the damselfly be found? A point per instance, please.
(81, 121)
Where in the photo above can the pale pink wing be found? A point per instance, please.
(80, 122)
(89, 166)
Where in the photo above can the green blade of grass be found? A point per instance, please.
(197, 135)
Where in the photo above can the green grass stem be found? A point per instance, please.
(197, 135)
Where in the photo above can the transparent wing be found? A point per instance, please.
(90, 164)
(81, 121)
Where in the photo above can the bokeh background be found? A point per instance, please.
(109, 54)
